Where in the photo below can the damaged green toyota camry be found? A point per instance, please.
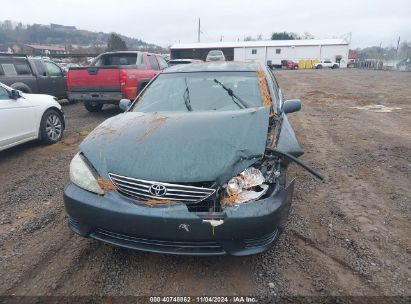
(196, 165)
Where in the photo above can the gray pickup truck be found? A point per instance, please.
(33, 75)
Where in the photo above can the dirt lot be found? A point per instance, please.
(347, 236)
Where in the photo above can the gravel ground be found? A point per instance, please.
(348, 236)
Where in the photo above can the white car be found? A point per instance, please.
(215, 55)
(326, 64)
(25, 117)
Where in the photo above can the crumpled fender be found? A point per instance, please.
(287, 141)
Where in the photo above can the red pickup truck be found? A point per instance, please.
(289, 65)
(111, 77)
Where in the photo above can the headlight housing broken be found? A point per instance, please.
(240, 188)
(247, 179)
(81, 175)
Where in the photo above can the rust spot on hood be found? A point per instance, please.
(102, 131)
(154, 123)
(105, 185)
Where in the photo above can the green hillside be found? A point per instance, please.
(68, 36)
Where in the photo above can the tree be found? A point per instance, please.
(405, 50)
(115, 43)
(284, 36)
(308, 35)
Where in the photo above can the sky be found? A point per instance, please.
(162, 22)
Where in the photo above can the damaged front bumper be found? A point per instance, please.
(244, 229)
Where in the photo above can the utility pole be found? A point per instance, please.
(198, 38)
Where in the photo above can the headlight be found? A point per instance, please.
(81, 175)
(241, 189)
(247, 179)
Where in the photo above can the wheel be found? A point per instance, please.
(92, 106)
(319, 66)
(72, 101)
(51, 127)
(21, 87)
(335, 66)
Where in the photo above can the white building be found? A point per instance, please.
(269, 51)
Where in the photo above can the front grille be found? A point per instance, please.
(173, 247)
(143, 189)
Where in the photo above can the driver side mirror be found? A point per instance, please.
(125, 104)
(15, 94)
(292, 105)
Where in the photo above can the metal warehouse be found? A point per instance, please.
(270, 52)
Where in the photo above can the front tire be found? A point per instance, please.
(319, 66)
(21, 87)
(51, 127)
(93, 106)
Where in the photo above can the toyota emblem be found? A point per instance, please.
(158, 190)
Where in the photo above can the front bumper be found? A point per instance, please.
(249, 228)
(101, 97)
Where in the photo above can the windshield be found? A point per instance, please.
(199, 92)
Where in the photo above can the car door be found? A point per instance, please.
(43, 81)
(58, 86)
(17, 120)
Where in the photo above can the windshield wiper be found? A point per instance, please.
(241, 103)
(186, 96)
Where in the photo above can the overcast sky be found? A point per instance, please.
(162, 22)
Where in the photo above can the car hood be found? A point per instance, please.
(178, 147)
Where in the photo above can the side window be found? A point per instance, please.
(53, 69)
(9, 69)
(4, 94)
(153, 62)
(22, 68)
(163, 62)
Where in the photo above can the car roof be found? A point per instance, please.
(226, 66)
